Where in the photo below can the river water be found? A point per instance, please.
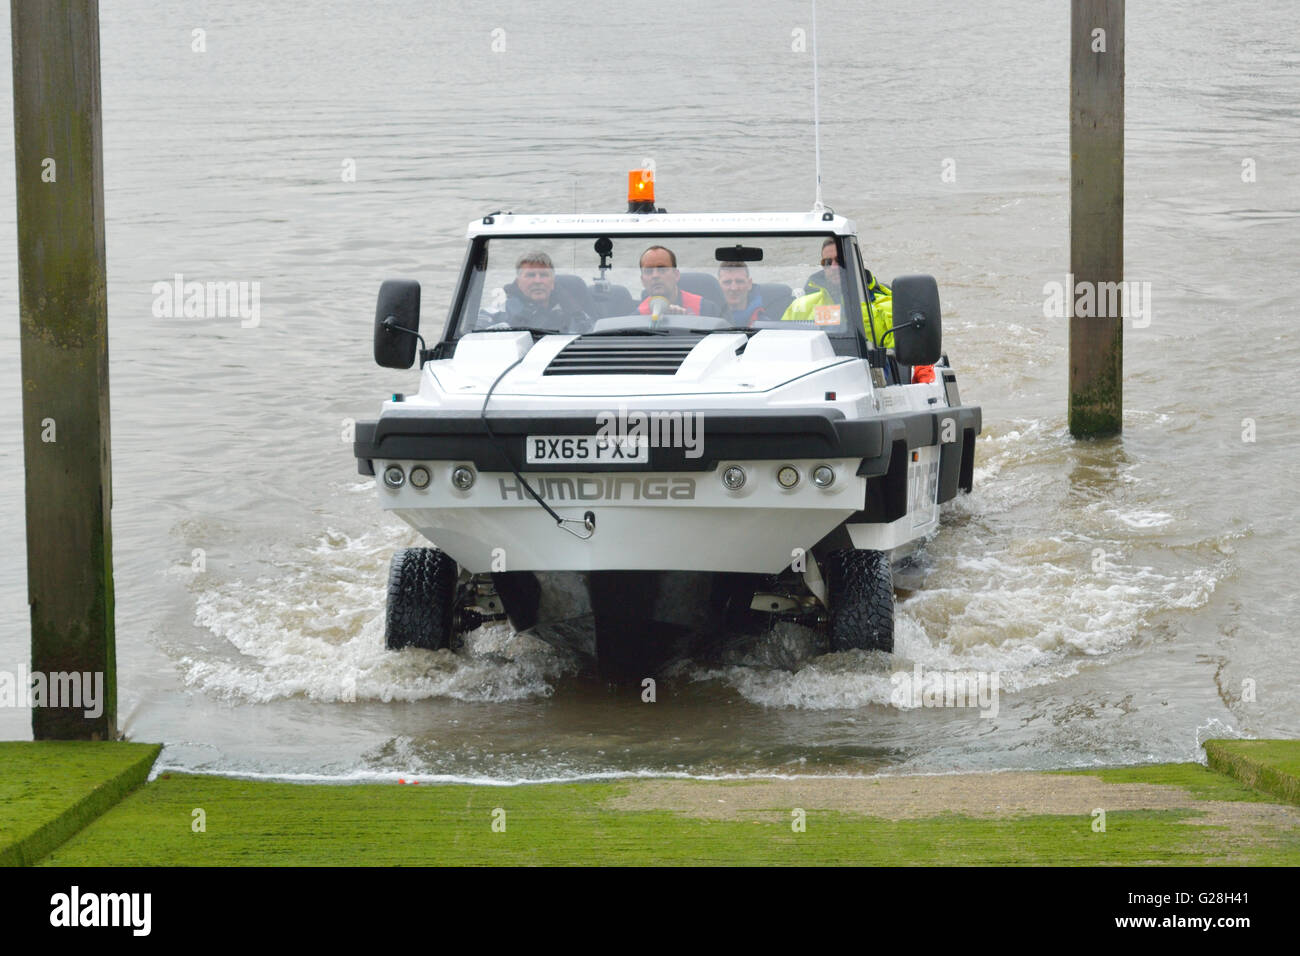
(1134, 595)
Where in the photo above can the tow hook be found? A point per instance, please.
(588, 523)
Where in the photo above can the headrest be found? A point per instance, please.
(701, 283)
(575, 291)
(777, 297)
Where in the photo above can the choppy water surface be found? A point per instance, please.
(1126, 591)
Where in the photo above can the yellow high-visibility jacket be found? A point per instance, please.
(880, 316)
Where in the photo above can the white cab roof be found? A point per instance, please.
(587, 224)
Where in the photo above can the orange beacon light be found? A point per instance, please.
(641, 190)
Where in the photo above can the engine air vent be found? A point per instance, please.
(627, 355)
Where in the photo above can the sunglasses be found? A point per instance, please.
(830, 262)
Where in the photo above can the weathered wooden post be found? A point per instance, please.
(1096, 216)
(64, 317)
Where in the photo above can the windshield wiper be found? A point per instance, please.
(633, 330)
(525, 328)
(677, 330)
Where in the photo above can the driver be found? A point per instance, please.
(659, 275)
(826, 288)
(533, 301)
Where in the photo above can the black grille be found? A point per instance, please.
(632, 355)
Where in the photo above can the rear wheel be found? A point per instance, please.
(421, 599)
(860, 587)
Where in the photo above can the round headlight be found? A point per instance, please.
(823, 476)
(394, 477)
(787, 476)
(733, 479)
(463, 478)
(420, 477)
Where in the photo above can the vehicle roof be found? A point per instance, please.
(595, 224)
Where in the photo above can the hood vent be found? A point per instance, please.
(623, 355)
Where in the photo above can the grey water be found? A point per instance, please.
(1135, 595)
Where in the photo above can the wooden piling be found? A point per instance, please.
(1096, 214)
(64, 339)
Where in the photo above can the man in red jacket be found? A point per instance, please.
(659, 275)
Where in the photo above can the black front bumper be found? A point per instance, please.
(724, 436)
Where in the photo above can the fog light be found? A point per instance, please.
(787, 476)
(463, 478)
(734, 478)
(823, 476)
(394, 477)
(420, 477)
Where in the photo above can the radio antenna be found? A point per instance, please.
(817, 122)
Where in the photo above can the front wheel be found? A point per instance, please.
(860, 588)
(421, 599)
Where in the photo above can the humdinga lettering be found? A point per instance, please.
(600, 488)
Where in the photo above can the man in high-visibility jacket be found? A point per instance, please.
(826, 288)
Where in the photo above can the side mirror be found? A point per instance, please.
(397, 323)
(918, 329)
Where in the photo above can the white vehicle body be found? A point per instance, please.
(505, 417)
(644, 517)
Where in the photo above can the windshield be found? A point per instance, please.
(657, 284)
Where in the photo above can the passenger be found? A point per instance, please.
(827, 288)
(534, 302)
(743, 301)
(659, 275)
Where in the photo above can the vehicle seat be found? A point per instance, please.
(703, 284)
(614, 300)
(576, 291)
(815, 281)
(777, 297)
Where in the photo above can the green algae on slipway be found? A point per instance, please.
(1001, 819)
(1272, 766)
(51, 789)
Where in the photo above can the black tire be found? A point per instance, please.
(860, 586)
(421, 599)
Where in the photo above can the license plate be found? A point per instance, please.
(586, 450)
